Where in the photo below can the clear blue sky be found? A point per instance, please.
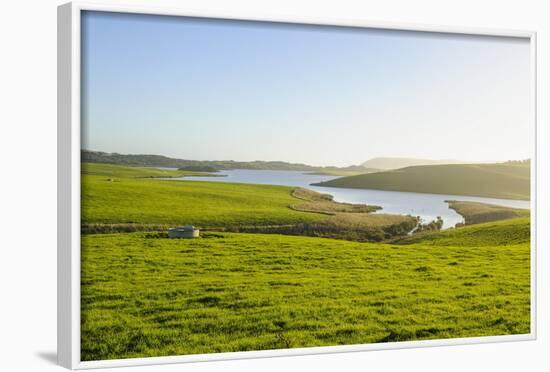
(232, 90)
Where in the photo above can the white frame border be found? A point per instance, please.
(68, 257)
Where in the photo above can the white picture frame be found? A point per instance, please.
(69, 147)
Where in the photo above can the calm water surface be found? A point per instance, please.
(427, 206)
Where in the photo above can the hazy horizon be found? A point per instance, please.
(451, 161)
(203, 89)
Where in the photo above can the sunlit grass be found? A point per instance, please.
(146, 295)
(205, 204)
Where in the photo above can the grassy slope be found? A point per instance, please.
(480, 212)
(488, 180)
(205, 204)
(148, 296)
(498, 234)
(387, 163)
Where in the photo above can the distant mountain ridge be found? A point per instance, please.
(388, 163)
(146, 160)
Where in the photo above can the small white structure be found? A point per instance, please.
(187, 231)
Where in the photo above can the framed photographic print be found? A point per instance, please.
(237, 186)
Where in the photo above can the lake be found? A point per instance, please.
(427, 206)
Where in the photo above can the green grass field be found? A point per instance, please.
(146, 295)
(143, 294)
(507, 181)
(205, 204)
(130, 202)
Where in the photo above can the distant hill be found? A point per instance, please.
(396, 163)
(502, 180)
(144, 160)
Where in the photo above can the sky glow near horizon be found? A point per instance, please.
(235, 90)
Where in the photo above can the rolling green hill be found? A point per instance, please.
(502, 180)
(145, 160)
(495, 234)
(396, 163)
(205, 204)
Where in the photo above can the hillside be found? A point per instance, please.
(474, 212)
(388, 163)
(502, 180)
(144, 160)
(205, 204)
(496, 234)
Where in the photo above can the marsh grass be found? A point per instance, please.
(474, 212)
(324, 203)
